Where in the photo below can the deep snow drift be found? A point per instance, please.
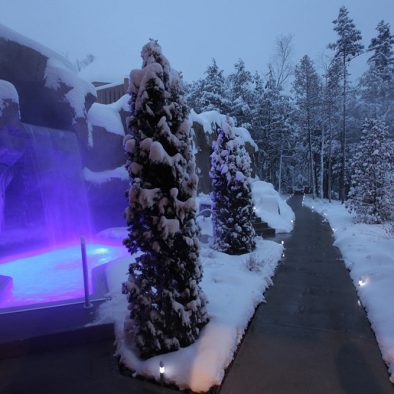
(367, 250)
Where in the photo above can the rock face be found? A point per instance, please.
(51, 94)
(13, 138)
(205, 127)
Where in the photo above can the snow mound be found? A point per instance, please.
(233, 291)
(108, 115)
(367, 250)
(271, 207)
(210, 120)
(99, 178)
(7, 93)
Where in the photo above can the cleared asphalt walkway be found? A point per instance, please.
(311, 336)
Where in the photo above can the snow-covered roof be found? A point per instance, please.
(108, 115)
(7, 92)
(209, 118)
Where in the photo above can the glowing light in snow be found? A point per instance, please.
(358, 302)
(282, 242)
(254, 208)
(362, 282)
(100, 251)
(52, 275)
(161, 368)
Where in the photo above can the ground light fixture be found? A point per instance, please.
(162, 371)
(362, 282)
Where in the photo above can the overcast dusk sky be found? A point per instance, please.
(190, 32)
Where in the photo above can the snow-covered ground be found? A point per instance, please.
(368, 252)
(271, 207)
(234, 287)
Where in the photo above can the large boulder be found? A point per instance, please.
(50, 91)
(205, 127)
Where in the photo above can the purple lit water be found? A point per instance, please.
(43, 199)
(53, 275)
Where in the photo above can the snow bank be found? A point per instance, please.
(209, 119)
(108, 115)
(271, 208)
(233, 292)
(367, 250)
(105, 176)
(7, 92)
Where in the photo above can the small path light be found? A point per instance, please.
(362, 282)
(359, 303)
(162, 371)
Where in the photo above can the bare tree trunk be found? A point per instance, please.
(280, 172)
(321, 191)
(311, 164)
(343, 139)
(329, 170)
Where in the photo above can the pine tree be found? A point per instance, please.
(241, 94)
(371, 193)
(167, 306)
(307, 89)
(377, 83)
(331, 94)
(346, 48)
(231, 194)
(213, 96)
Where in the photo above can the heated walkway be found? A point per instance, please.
(311, 336)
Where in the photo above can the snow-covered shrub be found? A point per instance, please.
(371, 193)
(232, 206)
(167, 306)
(252, 263)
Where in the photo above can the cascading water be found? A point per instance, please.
(45, 202)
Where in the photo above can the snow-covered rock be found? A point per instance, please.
(8, 95)
(105, 176)
(108, 116)
(205, 127)
(46, 82)
(271, 207)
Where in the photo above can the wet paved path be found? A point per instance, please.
(311, 336)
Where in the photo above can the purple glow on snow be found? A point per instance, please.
(53, 275)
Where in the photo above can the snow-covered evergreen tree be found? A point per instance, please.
(346, 48)
(241, 94)
(213, 94)
(231, 195)
(371, 194)
(307, 89)
(377, 83)
(167, 306)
